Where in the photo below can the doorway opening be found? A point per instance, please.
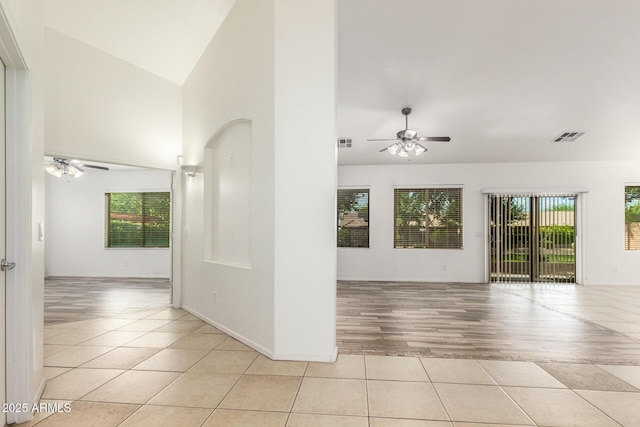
(108, 239)
(532, 238)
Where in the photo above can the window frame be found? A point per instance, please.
(143, 217)
(359, 189)
(630, 243)
(401, 226)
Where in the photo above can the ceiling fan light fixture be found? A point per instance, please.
(403, 153)
(393, 149)
(74, 171)
(419, 149)
(409, 145)
(54, 170)
(59, 167)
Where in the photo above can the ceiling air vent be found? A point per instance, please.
(568, 136)
(344, 142)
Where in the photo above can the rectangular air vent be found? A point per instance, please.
(344, 142)
(568, 136)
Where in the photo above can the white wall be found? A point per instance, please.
(234, 79)
(100, 107)
(305, 177)
(75, 224)
(605, 260)
(283, 301)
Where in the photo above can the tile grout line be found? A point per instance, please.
(594, 406)
(446, 411)
(295, 397)
(518, 406)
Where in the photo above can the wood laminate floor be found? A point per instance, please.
(527, 322)
(70, 299)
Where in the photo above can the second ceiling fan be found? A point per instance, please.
(59, 166)
(407, 140)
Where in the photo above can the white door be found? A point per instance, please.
(3, 388)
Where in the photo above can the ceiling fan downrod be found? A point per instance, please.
(406, 111)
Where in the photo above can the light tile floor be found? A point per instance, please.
(167, 368)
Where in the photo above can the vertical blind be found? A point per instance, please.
(509, 238)
(532, 238)
(353, 218)
(632, 217)
(138, 220)
(428, 218)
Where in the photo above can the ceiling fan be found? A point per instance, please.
(58, 167)
(408, 140)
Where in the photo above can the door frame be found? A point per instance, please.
(580, 221)
(22, 364)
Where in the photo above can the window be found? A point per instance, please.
(137, 220)
(353, 218)
(632, 218)
(428, 218)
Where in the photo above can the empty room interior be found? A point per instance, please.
(414, 213)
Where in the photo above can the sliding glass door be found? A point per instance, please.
(532, 238)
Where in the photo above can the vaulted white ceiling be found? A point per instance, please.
(165, 37)
(503, 78)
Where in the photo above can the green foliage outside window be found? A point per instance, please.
(632, 217)
(138, 220)
(558, 234)
(428, 218)
(353, 218)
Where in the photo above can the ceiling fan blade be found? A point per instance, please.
(435, 138)
(76, 162)
(385, 139)
(384, 149)
(104, 168)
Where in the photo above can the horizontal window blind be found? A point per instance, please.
(632, 218)
(353, 218)
(428, 218)
(138, 220)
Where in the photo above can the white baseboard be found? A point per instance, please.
(231, 333)
(23, 417)
(40, 390)
(330, 358)
(259, 348)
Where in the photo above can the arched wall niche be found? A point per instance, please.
(227, 186)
